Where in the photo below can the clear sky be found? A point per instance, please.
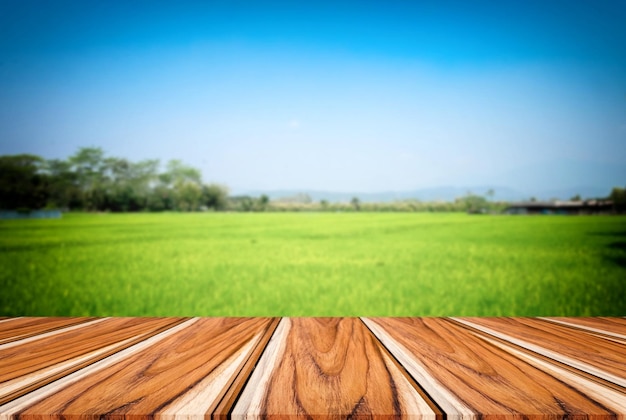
(340, 96)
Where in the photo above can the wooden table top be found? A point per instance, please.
(322, 368)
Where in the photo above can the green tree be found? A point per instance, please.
(356, 203)
(131, 184)
(472, 203)
(618, 197)
(188, 197)
(215, 196)
(23, 185)
(179, 173)
(63, 187)
(263, 202)
(160, 198)
(89, 166)
(89, 180)
(247, 204)
(185, 183)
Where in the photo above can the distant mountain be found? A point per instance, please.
(585, 192)
(565, 178)
(560, 180)
(446, 193)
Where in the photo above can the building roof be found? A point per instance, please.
(561, 204)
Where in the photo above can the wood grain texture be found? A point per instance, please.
(35, 361)
(470, 377)
(317, 368)
(12, 329)
(225, 406)
(581, 350)
(606, 395)
(180, 376)
(328, 368)
(27, 339)
(608, 327)
(12, 409)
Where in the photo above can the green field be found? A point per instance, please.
(305, 264)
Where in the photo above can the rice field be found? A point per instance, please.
(313, 264)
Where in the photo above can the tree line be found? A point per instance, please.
(471, 203)
(91, 181)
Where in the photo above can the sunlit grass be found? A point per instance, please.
(320, 264)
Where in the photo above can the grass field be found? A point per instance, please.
(297, 264)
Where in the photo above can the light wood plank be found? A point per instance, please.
(328, 368)
(152, 382)
(225, 406)
(609, 397)
(35, 361)
(198, 401)
(612, 327)
(594, 355)
(463, 372)
(12, 329)
(313, 367)
(11, 410)
(47, 334)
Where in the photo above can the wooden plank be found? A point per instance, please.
(37, 360)
(169, 369)
(608, 396)
(27, 339)
(12, 409)
(12, 329)
(183, 375)
(470, 377)
(589, 353)
(224, 408)
(612, 327)
(328, 368)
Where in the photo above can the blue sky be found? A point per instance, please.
(339, 96)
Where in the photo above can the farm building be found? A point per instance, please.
(561, 207)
